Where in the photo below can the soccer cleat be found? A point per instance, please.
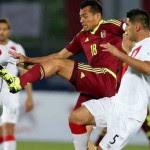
(12, 81)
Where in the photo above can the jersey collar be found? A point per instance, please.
(96, 28)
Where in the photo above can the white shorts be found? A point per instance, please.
(10, 115)
(119, 127)
(10, 107)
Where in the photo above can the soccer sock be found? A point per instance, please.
(1, 143)
(9, 142)
(80, 136)
(146, 127)
(80, 141)
(32, 75)
(100, 137)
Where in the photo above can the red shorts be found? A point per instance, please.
(94, 82)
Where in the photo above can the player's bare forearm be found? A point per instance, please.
(141, 66)
(64, 53)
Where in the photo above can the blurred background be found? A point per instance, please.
(44, 27)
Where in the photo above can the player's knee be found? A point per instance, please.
(9, 128)
(81, 116)
(75, 118)
(58, 63)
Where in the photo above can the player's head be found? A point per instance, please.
(137, 22)
(90, 14)
(4, 30)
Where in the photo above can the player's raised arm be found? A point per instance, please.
(64, 53)
(142, 66)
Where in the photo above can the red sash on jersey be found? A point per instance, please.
(134, 53)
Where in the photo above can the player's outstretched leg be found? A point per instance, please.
(61, 67)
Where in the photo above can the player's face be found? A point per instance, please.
(127, 44)
(131, 30)
(88, 19)
(4, 32)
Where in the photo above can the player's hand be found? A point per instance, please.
(21, 58)
(29, 105)
(110, 48)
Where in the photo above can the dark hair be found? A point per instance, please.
(137, 15)
(3, 20)
(95, 5)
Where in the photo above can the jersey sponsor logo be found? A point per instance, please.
(82, 75)
(86, 40)
(114, 139)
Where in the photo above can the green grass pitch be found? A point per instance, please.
(61, 146)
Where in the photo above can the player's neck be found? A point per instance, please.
(142, 36)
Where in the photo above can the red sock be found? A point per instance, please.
(1, 139)
(32, 75)
(9, 138)
(77, 129)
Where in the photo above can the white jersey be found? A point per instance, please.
(134, 91)
(10, 101)
(7, 61)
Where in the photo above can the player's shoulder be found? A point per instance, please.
(11, 42)
(145, 44)
(113, 22)
(14, 45)
(80, 34)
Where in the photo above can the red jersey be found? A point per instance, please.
(89, 42)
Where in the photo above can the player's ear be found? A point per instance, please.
(138, 27)
(99, 16)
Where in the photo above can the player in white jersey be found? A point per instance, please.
(123, 114)
(10, 101)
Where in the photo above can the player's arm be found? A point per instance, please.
(141, 66)
(64, 53)
(71, 49)
(29, 103)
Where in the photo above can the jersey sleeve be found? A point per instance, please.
(20, 49)
(116, 26)
(75, 45)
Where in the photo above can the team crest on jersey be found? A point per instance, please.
(103, 34)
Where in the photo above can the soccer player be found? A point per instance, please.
(95, 80)
(10, 101)
(127, 47)
(124, 113)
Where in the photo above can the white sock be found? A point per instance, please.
(1, 146)
(80, 141)
(9, 145)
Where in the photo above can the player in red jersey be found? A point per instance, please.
(95, 80)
